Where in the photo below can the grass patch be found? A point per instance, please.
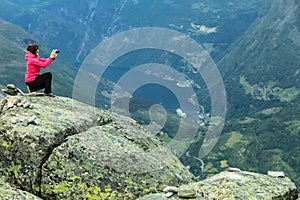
(235, 138)
(271, 111)
(165, 137)
(247, 87)
(293, 127)
(247, 120)
(289, 94)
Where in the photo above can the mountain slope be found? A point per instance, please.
(13, 41)
(262, 77)
(265, 141)
(77, 26)
(263, 67)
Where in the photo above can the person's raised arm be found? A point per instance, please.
(41, 62)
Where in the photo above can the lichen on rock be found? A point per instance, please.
(242, 185)
(59, 148)
(237, 185)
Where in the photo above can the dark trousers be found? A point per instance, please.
(41, 82)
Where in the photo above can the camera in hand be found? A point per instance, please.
(57, 51)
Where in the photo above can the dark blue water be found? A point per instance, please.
(159, 95)
(155, 93)
(114, 73)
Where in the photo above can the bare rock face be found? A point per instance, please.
(58, 148)
(237, 184)
(243, 185)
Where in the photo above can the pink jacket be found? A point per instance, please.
(34, 65)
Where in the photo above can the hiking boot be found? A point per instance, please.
(49, 95)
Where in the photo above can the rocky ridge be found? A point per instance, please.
(58, 148)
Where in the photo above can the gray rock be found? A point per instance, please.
(25, 122)
(82, 150)
(168, 194)
(37, 122)
(276, 174)
(245, 185)
(187, 191)
(13, 100)
(9, 91)
(233, 169)
(33, 117)
(16, 101)
(239, 185)
(26, 105)
(11, 86)
(171, 189)
(136, 165)
(14, 120)
(10, 105)
(154, 197)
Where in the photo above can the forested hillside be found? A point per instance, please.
(261, 74)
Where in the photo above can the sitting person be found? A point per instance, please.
(33, 79)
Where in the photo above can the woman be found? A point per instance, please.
(33, 79)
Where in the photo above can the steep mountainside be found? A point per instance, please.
(263, 86)
(262, 70)
(78, 26)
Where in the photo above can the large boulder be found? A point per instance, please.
(234, 184)
(59, 148)
(245, 185)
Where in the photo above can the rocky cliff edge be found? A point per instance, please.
(58, 148)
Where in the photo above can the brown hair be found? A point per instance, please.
(32, 48)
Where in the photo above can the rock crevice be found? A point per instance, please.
(58, 148)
